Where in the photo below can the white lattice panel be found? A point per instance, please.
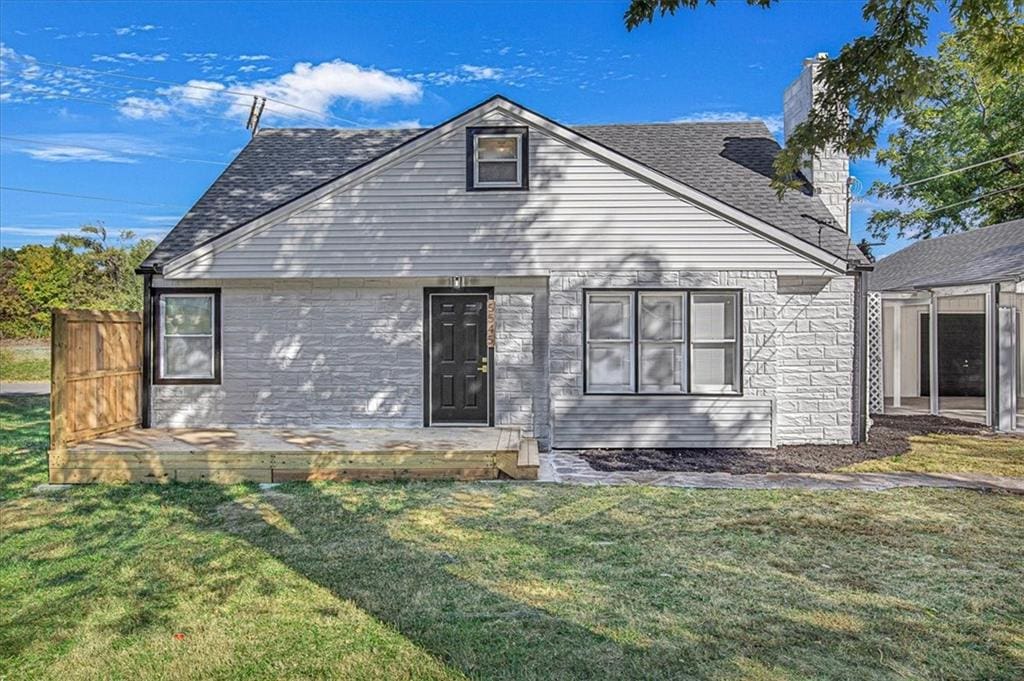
(876, 387)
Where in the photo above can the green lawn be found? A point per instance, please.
(25, 361)
(507, 581)
(1002, 455)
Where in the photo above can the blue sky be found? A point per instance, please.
(158, 146)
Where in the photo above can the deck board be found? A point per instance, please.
(276, 454)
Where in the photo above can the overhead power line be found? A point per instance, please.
(226, 91)
(957, 170)
(121, 105)
(978, 198)
(86, 196)
(144, 154)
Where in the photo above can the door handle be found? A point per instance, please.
(482, 367)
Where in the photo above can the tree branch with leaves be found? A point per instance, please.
(887, 76)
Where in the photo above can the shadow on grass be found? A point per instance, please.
(529, 582)
(24, 433)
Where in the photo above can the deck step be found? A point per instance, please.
(528, 462)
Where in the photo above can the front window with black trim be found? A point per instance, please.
(187, 336)
(662, 342)
(497, 158)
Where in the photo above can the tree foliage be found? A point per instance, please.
(884, 75)
(83, 270)
(970, 117)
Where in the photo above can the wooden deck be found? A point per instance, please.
(283, 454)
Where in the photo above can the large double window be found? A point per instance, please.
(662, 342)
(187, 330)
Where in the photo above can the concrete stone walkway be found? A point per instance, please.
(568, 468)
(20, 388)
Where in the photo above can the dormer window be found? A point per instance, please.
(497, 159)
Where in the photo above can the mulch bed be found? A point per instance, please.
(890, 435)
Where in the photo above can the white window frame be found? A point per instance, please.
(629, 341)
(162, 337)
(687, 342)
(518, 160)
(682, 342)
(711, 388)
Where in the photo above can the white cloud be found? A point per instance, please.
(312, 89)
(142, 58)
(131, 57)
(65, 153)
(253, 57)
(482, 72)
(134, 28)
(319, 87)
(472, 73)
(42, 232)
(140, 108)
(195, 93)
(773, 122)
(83, 146)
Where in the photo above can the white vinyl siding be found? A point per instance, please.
(415, 218)
(611, 421)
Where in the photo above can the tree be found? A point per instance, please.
(879, 77)
(83, 270)
(970, 118)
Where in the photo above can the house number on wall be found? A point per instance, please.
(491, 307)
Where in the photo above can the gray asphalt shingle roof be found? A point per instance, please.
(993, 253)
(729, 161)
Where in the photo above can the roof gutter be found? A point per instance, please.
(992, 280)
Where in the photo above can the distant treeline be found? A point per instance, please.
(84, 270)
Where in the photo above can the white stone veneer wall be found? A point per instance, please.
(814, 357)
(797, 342)
(348, 352)
(759, 302)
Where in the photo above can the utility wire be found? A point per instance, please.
(110, 151)
(956, 170)
(978, 198)
(86, 196)
(225, 91)
(119, 105)
(206, 100)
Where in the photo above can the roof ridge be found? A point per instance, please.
(969, 232)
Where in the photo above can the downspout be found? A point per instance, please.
(147, 347)
(860, 307)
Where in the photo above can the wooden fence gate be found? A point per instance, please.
(95, 374)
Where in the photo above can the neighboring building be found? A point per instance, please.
(599, 286)
(974, 281)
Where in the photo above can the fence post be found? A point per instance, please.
(58, 378)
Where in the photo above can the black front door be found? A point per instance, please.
(961, 355)
(458, 362)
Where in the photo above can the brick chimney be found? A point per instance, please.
(829, 172)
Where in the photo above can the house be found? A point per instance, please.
(950, 317)
(597, 285)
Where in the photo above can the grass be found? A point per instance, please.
(499, 581)
(25, 361)
(953, 454)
